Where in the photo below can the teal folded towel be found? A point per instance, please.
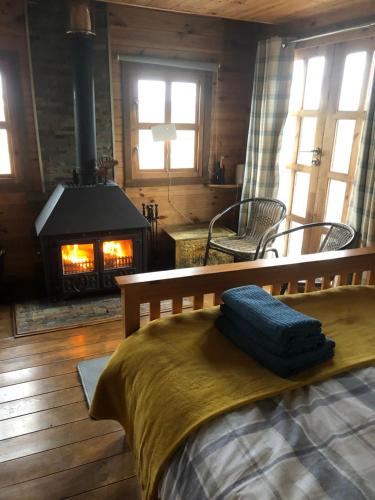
(298, 345)
(275, 319)
(284, 367)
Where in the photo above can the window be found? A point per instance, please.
(162, 95)
(8, 105)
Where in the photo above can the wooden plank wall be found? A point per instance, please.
(17, 211)
(232, 44)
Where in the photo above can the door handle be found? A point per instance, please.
(316, 157)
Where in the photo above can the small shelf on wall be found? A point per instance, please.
(224, 186)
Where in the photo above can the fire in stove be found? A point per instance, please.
(117, 254)
(78, 258)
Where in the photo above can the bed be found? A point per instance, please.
(205, 421)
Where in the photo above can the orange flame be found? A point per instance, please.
(117, 254)
(83, 255)
(117, 249)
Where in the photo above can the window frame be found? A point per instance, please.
(13, 104)
(134, 176)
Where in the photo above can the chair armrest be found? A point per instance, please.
(220, 214)
(223, 212)
(260, 251)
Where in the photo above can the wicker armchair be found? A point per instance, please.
(264, 217)
(337, 236)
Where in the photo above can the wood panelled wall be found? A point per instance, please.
(232, 44)
(17, 202)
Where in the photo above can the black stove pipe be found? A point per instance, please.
(84, 107)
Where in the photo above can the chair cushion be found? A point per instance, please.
(239, 247)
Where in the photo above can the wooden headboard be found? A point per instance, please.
(333, 268)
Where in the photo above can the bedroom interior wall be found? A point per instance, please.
(232, 44)
(52, 73)
(19, 201)
(131, 30)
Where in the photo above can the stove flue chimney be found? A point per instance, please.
(81, 31)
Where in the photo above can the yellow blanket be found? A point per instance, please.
(178, 372)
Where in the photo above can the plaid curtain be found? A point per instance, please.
(362, 204)
(269, 109)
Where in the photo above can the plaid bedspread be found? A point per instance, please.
(317, 442)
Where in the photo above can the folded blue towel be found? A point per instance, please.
(271, 316)
(284, 367)
(298, 345)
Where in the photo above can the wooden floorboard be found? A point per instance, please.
(41, 372)
(49, 447)
(55, 345)
(73, 481)
(59, 459)
(41, 402)
(45, 358)
(113, 491)
(86, 331)
(5, 322)
(35, 387)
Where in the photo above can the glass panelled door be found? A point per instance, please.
(321, 137)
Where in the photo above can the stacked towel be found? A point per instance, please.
(282, 339)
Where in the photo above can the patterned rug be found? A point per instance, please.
(40, 316)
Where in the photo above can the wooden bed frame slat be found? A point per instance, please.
(198, 301)
(370, 280)
(310, 286)
(177, 305)
(155, 309)
(357, 278)
(217, 299)
(292, 287)
(197, 281)
(326, 282)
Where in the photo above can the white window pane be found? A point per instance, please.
(295, 240)
(296, 89)
(352, 81)
(183, 149)
(314, 78)
(335, 203)
(280, 243)
(306, 140)
(342, 149)
(150, 153)
(151, 101)
(287, 142)
(300, 193)
(184, 102)
(284, 185)
(2, 103)
(5, 167)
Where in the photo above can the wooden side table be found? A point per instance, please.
(189, 244)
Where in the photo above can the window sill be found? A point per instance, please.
(165, 181)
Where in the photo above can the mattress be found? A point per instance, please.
(317, 442)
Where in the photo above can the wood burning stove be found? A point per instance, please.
(89, 235)
(89, 232)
